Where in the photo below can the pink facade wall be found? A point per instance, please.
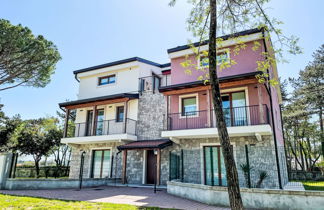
(246, 63)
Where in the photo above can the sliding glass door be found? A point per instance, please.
(215, 172)
(100, 163)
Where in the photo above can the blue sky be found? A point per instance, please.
(89, 33)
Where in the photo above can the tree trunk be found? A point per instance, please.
(231, 171)
(37, 166)
(301, 156)
(322, 129)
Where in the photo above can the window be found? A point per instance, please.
(215, 172)
(120, 114)
(204, 61)
(107, 80)
(222, 57)
(189, 106)
(100, 163)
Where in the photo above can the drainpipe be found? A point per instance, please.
(81, 170)
(283, 136)
(272, 119)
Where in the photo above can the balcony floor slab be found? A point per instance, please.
(213, 132)
(99, 139)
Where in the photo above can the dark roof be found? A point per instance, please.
(146, 144)
(165, 65)
(202, 82)
(196, 44)
(101, 98)
(128, 60)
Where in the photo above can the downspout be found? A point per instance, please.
(272, 118)
(284, 140)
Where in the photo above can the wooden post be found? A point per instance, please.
(94, 116)
(208, 109)
(125, 117)
(158, 166)
(213, 116)
(66, 123)
(124, 166)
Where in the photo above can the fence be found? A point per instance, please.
(152, 83)
(104, 127)
(236, 116)
(45, 171)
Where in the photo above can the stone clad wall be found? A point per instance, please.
(151, 110)
(261, 158)
(135, 160)
(76, 159)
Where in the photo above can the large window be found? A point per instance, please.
(107, 80)
(215, 172)
(100, 163)
(189, 106)
(120, 114)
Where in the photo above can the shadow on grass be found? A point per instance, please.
(25, 202)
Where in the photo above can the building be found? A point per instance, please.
(147, 123)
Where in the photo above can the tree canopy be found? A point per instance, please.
(37, 138)
(303, 115)
(25, 59)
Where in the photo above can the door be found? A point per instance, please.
(99, 123)
(234, 108)
(215, 172)
(150, 167)
(100, 163)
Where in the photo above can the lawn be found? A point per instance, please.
(22, 202)
(311, 185)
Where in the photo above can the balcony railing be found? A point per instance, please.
(105, 127)
(236, 116)
(152, 83)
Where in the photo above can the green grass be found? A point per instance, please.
(21, 202)
(314, 185)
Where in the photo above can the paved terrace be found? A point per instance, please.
(119, 195)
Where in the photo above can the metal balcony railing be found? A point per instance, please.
(236, 116)
(104, 127)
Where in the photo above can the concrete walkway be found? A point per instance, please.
(120, 195)
(294, 186)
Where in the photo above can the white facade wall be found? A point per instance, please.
(126, 82)
(109, 111)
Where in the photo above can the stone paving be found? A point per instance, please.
(119, 195)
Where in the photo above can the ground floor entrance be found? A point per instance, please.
(150, 167)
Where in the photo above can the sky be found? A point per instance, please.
(89, 33)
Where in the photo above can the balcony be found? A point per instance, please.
(101, 131)
(241, 121)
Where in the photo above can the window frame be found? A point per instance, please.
(102, 160)
(117, 114)
(107, 77)
(203, 162)
(227, 51)
(181, 97)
